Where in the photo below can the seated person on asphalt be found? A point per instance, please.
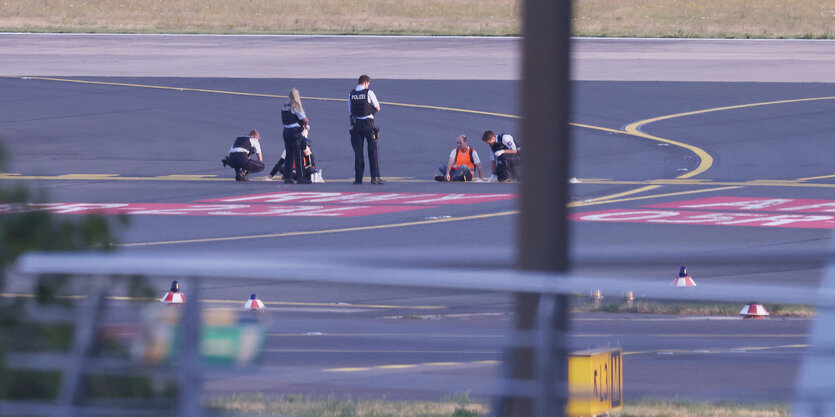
(308, 166)
(463, 161)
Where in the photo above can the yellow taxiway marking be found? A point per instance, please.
(347, 369)
(407, 366)
(645, 197)
(634, 129)
(495, 362)
(798, 183)
(713, 351)
(648, 184)
(816, 178)
(397, 366)
(111, 177)
(705, 160)
(703, 182)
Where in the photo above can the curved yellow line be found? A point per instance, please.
(634, 129)
(706, 160)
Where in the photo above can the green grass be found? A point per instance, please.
(296, 405)
(800, 19)
(463, 406)
(688, 308)
(696, 409)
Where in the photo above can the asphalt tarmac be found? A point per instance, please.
(153, 144)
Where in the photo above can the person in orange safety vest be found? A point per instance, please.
(463, 162)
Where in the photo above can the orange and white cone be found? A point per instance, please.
(174, 296)
(753, 310)
(254, 304)
(683, 280)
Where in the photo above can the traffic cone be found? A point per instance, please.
(753, 310)
(174, 296)
(254, 304)
(683, 280)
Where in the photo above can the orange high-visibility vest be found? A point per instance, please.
(464, 158)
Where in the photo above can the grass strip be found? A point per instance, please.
(769, 19)
(700, 409)
(463, 406)
(803, 19)
(583, 304)
(300, 406)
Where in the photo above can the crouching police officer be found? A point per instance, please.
(504, 158)
(239, 156)
(363, 105)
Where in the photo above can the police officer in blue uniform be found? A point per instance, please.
(239, 156)
(363, 105)
(294, 121)
(504, 158)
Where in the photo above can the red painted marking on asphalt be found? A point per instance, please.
(210, 209)
(805, 221)
(362, 198)
(792, 205)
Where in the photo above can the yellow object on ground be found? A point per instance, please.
(595, 382)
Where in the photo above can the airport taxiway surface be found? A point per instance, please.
(152, 142)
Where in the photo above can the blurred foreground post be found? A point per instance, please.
(543, 227)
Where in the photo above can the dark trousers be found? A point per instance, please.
(507, 166)
(239, 160)
(308, 170)
(363, 130)
(279, 167)
(292, 145)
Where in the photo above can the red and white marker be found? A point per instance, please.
(174, 296)
(683, 280)
(753, 311)
(254, 304)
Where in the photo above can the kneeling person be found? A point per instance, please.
(463, 161)
(308, 166)
(239, 156)
(504, 158)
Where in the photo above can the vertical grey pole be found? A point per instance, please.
(89, 313)
(543, 227)
(545, 98)
(189, 382)
(552, 354)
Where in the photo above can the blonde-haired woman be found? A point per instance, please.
(295, 121)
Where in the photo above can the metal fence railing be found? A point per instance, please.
(816, 378)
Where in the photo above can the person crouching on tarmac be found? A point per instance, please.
(463, 161)
(239, 156)
(504, 157)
